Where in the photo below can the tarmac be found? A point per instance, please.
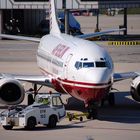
(88, 23)
(119, 122)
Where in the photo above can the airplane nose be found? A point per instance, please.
(98, 76)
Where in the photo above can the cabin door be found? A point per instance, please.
(66, 66)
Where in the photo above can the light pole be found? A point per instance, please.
(66, 13)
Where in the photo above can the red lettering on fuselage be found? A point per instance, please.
(60, 50)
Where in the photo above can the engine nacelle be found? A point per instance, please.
(11, 91)
(135, 89)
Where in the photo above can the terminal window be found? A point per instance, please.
(102, 0)
(31, 0)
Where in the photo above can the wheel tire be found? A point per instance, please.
(111, 99)
(31, 124)
(70, 119)
(81, 119)
(102, 102)
(92, 113)
(52, 122)
(7, 127)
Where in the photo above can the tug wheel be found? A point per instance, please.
(81, 119)
(52, 122)
(31, 123)
(7, 127)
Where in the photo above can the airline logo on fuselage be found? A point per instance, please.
(60, 50)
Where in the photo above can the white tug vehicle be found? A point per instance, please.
(47, 110)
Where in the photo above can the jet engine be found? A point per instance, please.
(11, 91)
(135, 89)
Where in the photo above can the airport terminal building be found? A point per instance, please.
(27, 14)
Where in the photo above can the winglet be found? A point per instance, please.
(54, 28)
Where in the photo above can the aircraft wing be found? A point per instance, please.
(33, 39)
(96, 34)
(126, 75)
(36, 79)
(84, 36)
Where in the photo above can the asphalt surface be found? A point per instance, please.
(119, 122)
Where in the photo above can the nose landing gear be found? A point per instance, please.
(110, 98)
(92, 110)
(93, 106)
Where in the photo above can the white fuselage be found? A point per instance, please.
(78, 67)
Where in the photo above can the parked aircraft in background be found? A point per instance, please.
(70, 65)
(113, 11)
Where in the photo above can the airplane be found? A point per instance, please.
(70, 65)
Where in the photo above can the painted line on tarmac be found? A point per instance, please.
(124, 43)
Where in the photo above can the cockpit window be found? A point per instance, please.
(80, 65)
(95, 64)
(88, 64)
(100, 64)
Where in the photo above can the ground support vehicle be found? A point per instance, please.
(47, 109)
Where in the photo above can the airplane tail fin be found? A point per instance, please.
(54, 28)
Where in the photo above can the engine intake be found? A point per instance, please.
(135, 89)
(11, 91)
